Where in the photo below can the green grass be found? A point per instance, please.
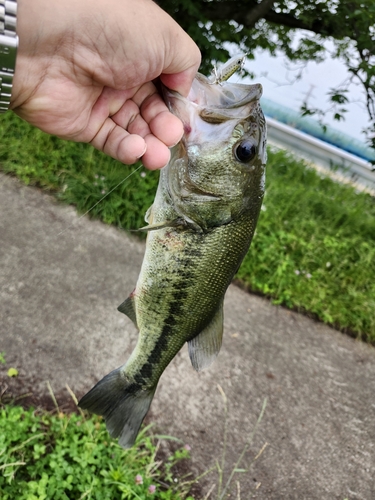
(314, 248)
(70, 457)
(77, 173)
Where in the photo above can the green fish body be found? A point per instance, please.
(199, 229)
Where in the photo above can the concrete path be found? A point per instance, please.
(60, 283)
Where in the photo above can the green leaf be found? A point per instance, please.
(12, 372)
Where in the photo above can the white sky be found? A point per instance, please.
(280, 85)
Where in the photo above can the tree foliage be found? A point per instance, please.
(300, 29)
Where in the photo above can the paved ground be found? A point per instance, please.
(60, 283)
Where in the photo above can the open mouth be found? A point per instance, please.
(214, 103)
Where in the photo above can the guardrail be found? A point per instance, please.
(342, 166)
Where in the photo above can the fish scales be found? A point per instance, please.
(200, 227)
(173, 297)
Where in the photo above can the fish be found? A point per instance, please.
(199, 228)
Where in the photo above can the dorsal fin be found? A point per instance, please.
(127, 307)
(204, 348)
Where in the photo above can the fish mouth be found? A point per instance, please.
(223, 96)
(214, 103)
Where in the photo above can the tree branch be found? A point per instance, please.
(258, 12)
(250, 12)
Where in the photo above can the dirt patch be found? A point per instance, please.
(20, 391)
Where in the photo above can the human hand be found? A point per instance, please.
(84, 72)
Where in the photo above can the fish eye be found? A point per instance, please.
(245, 151)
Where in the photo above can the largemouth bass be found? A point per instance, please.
(199, 229)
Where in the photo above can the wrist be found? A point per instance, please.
(39, 31)
(8, 50)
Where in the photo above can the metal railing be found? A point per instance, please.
(335, 162)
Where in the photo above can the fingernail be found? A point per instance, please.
(175, 144)
(140, 156)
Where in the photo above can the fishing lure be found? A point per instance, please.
(224, 72)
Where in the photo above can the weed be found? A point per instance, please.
(70, 457)
(224, 487)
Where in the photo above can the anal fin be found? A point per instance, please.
(127, 308)
(204, 348)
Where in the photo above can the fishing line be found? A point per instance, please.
(97, 203)
(56, 235)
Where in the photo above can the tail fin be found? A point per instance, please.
(122, 403)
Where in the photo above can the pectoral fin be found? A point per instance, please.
(159, 225)
(148, 215)
(204, 348)
(182, 222)
(127, 307)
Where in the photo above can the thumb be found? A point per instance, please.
(180, 82)
(182, 60)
